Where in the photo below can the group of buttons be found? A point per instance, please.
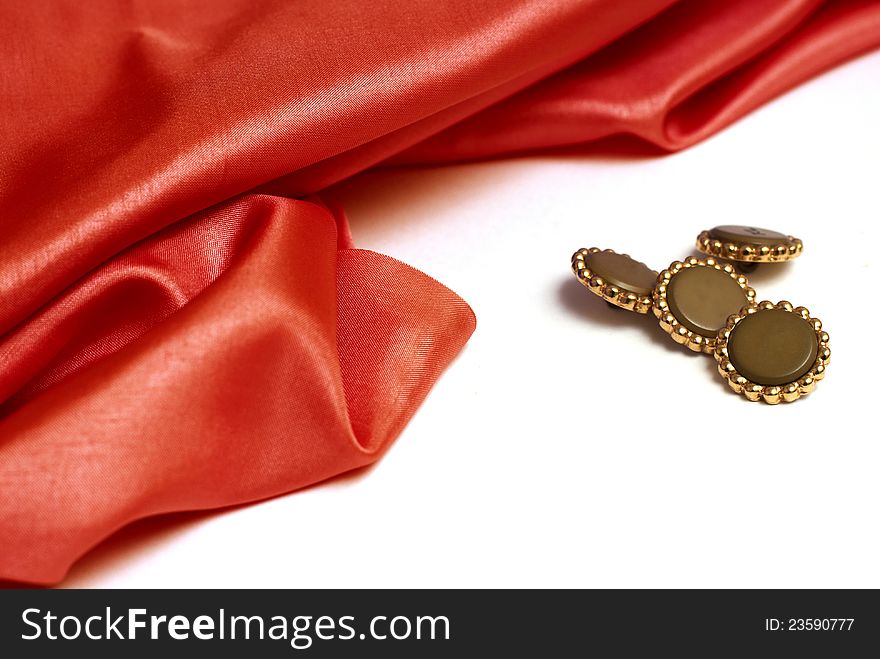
(765, 351)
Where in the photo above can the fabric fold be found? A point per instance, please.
(688, 73)
(261, 383)
(179, 328)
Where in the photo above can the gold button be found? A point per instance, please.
(694, 298)
(773, 352)
(747, 244)
(617, 278)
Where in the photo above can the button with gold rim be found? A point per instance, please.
(617, 278)
(694, 298)
(772, 352)
(748, 244)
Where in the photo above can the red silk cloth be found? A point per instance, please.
(180, 328)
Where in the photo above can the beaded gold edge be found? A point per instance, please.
(616, 295)
(742, 251)
(772, 394)
(678, 332)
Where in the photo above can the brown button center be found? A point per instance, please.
(734, 233)
(773, 347)
(622, 271)
(702, 298)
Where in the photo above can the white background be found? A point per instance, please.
(574, 445)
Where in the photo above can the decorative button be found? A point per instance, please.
(772, 352)
(746, 244)
(693, 300)
(616, 278)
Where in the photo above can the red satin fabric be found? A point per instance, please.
(180, 329)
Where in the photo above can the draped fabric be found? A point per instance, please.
(184, 324)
